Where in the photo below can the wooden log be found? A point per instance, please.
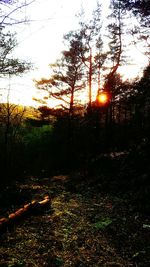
(32, 207)
(20, 212)
(27, 207)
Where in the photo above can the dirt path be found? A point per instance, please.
(81, 228)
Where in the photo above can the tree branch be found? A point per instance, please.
(13, 11)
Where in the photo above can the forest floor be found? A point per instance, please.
(83, 227)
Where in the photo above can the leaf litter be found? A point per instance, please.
(82, 227)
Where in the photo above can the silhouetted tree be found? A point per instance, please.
(45, 112)
(11, 118)
(92, 54)
(66, 80)
(143, 99)
(116, 31)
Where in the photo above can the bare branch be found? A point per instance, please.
(12, 12)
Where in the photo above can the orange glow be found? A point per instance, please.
(102, 98)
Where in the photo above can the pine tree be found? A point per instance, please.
(93, 55)
(115, 31)
(66, 80)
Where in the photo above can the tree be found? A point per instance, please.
(10, 115)
(140, 31)
(143, 92)
(97, 59)
(92, 53)
(66, 80)
(10, 14)
(8, 64)
(140, 8)
(115, 30)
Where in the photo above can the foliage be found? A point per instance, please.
(103, 223)
(8, 64)
(45, 112)
(139, 8)
(140, 11)
(66, 79)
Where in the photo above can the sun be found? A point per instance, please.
(103, 98)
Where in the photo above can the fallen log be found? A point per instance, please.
(27, 209)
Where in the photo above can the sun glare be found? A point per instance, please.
(103, 98)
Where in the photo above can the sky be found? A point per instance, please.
(40, 41)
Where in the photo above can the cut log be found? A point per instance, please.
(20, 212)
(29, 208)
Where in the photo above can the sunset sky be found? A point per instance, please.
(40, 41)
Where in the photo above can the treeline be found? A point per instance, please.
(58, 141)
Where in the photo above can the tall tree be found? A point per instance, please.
(115, 30)
(93, 56)
(66, 79)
